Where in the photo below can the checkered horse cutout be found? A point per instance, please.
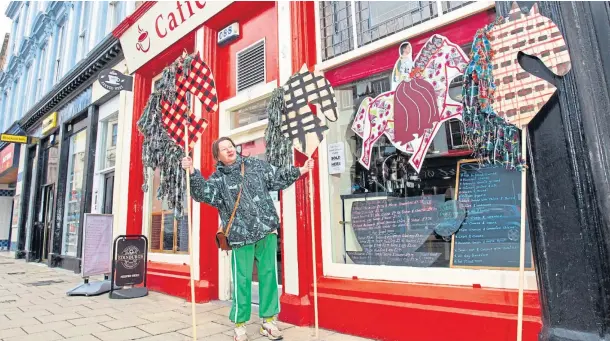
(298, 122)
(200, 82)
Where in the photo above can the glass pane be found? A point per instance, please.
(52, 164)
(336, 28)
(379, 19)
(74, 192)
(109, 137)
(389, 214)
(252, 113)
(183, 236)
(162, 231)
(400, 231)
(168, 231)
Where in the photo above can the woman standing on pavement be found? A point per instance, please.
(253, 226)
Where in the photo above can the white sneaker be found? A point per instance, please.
(239, 334)
(270, 330)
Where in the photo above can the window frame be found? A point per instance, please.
(358, 52)
(492, 278)
(41, 71)
(62, 36)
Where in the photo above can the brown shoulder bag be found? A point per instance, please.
(222, 240)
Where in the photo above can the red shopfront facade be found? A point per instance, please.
(352, 301)
(391, 302)
(242, 90)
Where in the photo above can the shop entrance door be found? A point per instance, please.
(45, 201)
(108, 192)
(256, 149)
(48, 199)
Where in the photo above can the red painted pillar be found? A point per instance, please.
(299, 309)
(135, 197)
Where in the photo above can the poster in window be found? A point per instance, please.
(336, 158)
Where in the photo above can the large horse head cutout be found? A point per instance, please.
(519, 95)
(299, 124)
(500, 97)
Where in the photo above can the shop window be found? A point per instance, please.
(249, 114)
(74, 192)
(167, 234)
(374, 20)
(251, 66)
(336, 26)
(379, 19)
(449, 6)
(109, 141)
(60, 51)
(390, 181)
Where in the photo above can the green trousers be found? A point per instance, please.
(242, 262)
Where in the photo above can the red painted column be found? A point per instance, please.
(299, 309)
(135, 197)
(207, 288)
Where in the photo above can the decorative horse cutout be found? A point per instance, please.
(519, 94)
(438, 63)
(500, 97)
(299, 124)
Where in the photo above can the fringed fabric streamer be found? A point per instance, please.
(492, 139)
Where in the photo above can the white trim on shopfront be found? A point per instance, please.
(121, 177)
(360, 52)
(289, 201)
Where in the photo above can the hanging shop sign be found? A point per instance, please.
(162, 25)
(21, 139)
(7, 157)
(112, 80)
(49, 123)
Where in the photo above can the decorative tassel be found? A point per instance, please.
(159, 151)
(492, 139)
(278, 147)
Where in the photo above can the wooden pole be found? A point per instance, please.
(190, 225)
(522, 240)
(313, 253)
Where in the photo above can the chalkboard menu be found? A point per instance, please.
(392, 231)
(490, 234)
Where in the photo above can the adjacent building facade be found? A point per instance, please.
(56, 50)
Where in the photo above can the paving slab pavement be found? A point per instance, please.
(30, 311)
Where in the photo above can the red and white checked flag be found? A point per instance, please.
(200, 82)
(176, 116)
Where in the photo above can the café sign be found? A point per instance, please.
(112, 80)
(162, 25)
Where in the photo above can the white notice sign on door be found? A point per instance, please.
(336, 158)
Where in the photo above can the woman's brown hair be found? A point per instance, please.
(216, 148)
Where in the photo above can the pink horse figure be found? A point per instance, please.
(438, 62)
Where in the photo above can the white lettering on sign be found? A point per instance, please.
(162, 25)
(336, 158)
